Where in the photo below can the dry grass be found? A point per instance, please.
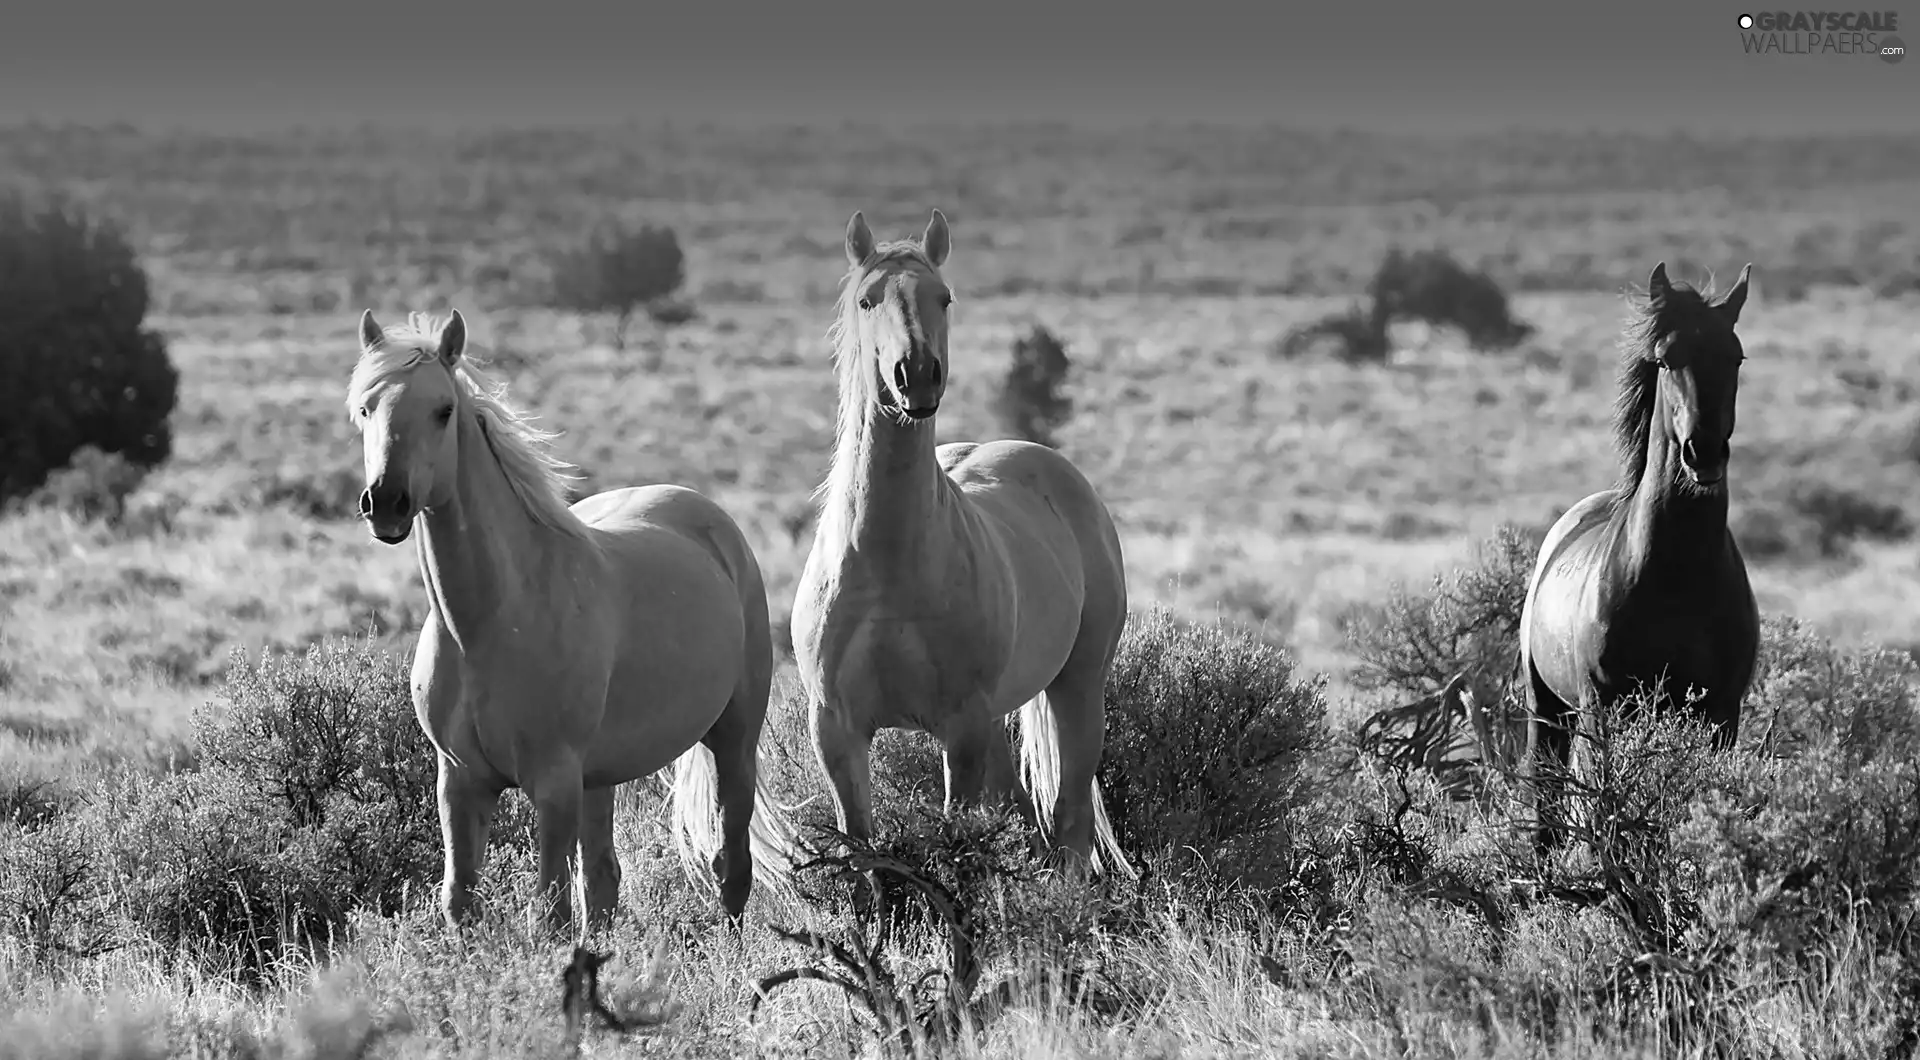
(1276, 494)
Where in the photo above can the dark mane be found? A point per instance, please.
(1683, 309)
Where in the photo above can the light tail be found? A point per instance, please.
(771, 833)
(1040, 774)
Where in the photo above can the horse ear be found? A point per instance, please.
(453, 337)
(1657, 286)
(937, 242)
(859, 240)
(371, 333)
(1730, 305)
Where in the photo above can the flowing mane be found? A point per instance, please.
(859, 385)
(1684, 309)
(524, 452)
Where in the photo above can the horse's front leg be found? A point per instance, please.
(978, 758)
(558, 798)
(845, 746)
(467, 805)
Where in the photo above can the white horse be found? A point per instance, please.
(950, 585)
(566, 650)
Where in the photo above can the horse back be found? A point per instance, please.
(1035, 495)
(631, 523)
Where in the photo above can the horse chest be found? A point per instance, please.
(1658, 638)
(911, 667)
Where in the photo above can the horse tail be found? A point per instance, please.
(695, 827)
(1040, 774)
(771, 833)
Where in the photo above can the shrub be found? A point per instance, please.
(1816, 522)
(1424, 285)
(1359, 336)
(314, 799)
(1842, 516)
(1430, 285)
(1030, 403)
(1207, 726)
(94, 486)
(76, 367)
(1470, 620)
(621, 270)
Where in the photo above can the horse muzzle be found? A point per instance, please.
(389, 516)
(390, 534)
(1706, 465)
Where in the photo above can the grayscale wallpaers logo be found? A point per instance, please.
(1868, 33)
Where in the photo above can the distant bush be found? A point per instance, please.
(94, 486)
(1426, 285)
(1359, 336)
(1820, 522)
(1430, 285)
(77, 369)
(1207, 728)
(619, 271)
(1030, 403)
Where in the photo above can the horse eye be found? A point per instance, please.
(866, 304)
(946, 301)
(445, 413)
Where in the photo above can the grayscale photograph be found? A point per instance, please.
(1118, 531)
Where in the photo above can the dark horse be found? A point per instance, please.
(1642, 584)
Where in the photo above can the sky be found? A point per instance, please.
(1433, 65)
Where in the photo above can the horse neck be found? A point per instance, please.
(474, 550)
(1672, 533)
(888, 497)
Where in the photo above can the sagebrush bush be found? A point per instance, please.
(1359, 336)
(1030, 401)
(1818, 521)
(1427, 285)
(1430, 285)
(1413, 643)
(1708, 899)
(620, 270)
(1207, 727)
(94, 486)
(77, 368)
(314, 799)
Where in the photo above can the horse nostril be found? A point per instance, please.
(933, 373)
(1690, 453)
(900, 376)
(403, 504)
(366, 502)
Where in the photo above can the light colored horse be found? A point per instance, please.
(950, 585)
(566, 650)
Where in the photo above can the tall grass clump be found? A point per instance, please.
(622, 270)
(77, 368)
(1031, 402)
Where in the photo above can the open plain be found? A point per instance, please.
(1282, 495)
